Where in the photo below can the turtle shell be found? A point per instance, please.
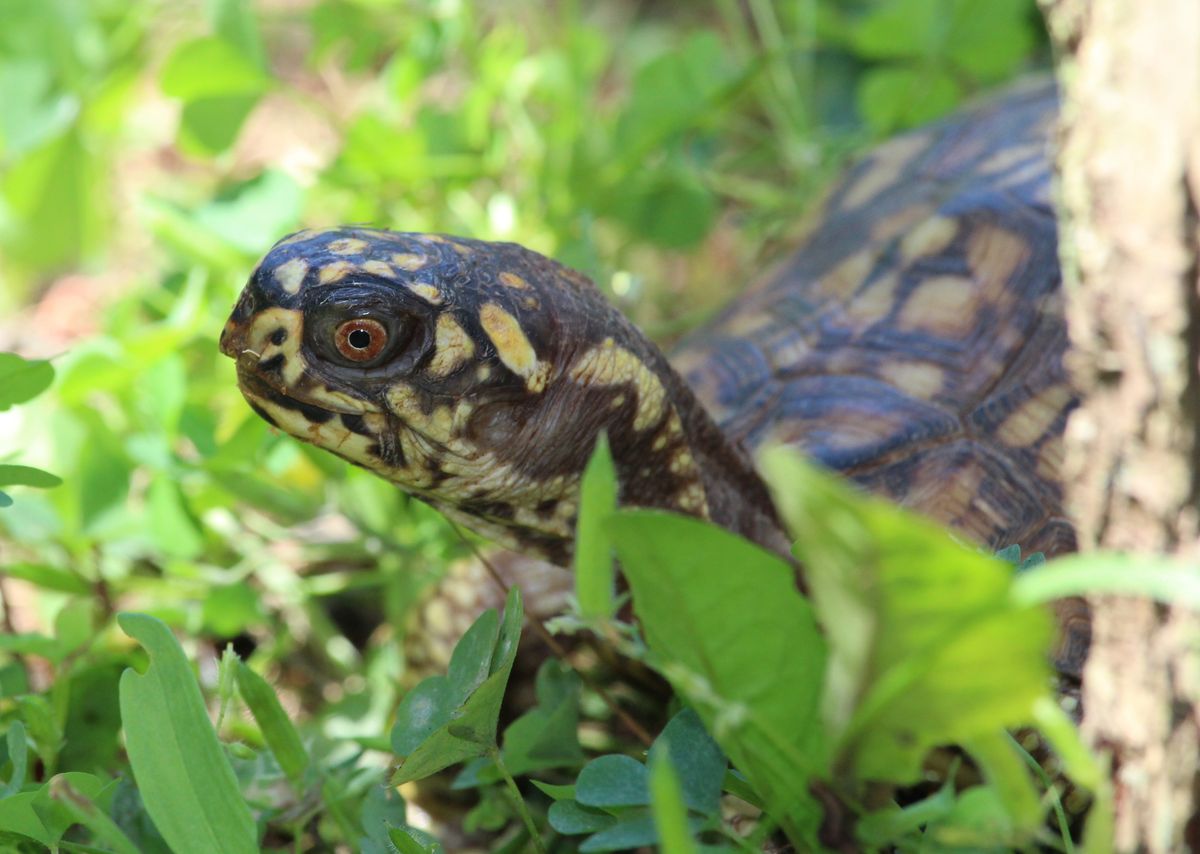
(915, 340)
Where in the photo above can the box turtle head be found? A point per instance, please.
(914, 342)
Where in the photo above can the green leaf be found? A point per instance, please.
(211, 67)
(696, 758)
(631, 830)
(594, 572)
(670, 815)
(613, 781)
(546, 736)
(48, 577)
(17, 815)
(277, 729)
(231, 608)
(18, 753)
(14, 475)
(911, 29)
(571, 818)
(895, 97)
(210, 125)
(5, 499)
(737, 640)
(470, 730)
(927, 645)
(22, 379)
(171, 526)
(72, 798)
(433, 703)
(184, 778)
(407, 842)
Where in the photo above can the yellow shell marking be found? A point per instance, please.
(921, 380)
(609, 364)
(928, 238)
(298, 237)
(513, 348)
(942, 305)
(888, 165)
(512, 280)
(1030, 421)
(409, 260)
(347, 246)
(995, 254)
(378, 268)
(334, 272)
(452, 347)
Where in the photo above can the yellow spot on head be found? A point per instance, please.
(378, 268)
(409, 260)
(618, 401)
(334, 272)
(512, 280)
(530, 303)
(347, 246)
(291, 275)
(513, 348)
(609, 364)
(453, 347)
(427, 292)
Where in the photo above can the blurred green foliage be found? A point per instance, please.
(151, 151)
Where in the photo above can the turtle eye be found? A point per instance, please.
(361, 339)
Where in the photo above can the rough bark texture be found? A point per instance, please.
(1130, 168)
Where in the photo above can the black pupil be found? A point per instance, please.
(360, 339)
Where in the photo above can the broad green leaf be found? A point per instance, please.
(55, 194)
(670, 815)
(471, 728)
(894, 97)
(18, 754)
(185, 780)
(277, 729)
(171, 526)
(14, 475)
(698, 761)
(231, 608)
(991, 40)
(613, 781)
(22, 379)
(211, 67)
(409, 841)
(901, 29)
(17, 815)
(731, 632)
(433, 703)
(572, 818)
(927, 645)
(210, 125)
(669, 206)
(546, 736)
(5, 499)
(632, 830)
(77, 798)
(48, 577)
(235, 22)
(594, 571)
(253, 214)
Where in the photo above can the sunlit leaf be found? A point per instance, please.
(184, 777)
(22, 379)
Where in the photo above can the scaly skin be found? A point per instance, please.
(914, 342)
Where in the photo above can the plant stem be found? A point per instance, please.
(518, 801)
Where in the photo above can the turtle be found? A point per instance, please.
(913, 341)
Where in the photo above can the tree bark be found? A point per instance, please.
(1130, 182)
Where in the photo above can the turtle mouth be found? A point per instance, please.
(259, 389)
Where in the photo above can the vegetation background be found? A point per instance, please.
(150, 152)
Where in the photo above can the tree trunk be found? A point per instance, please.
(1130, 170)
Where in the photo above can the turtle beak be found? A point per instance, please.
(233, 338)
